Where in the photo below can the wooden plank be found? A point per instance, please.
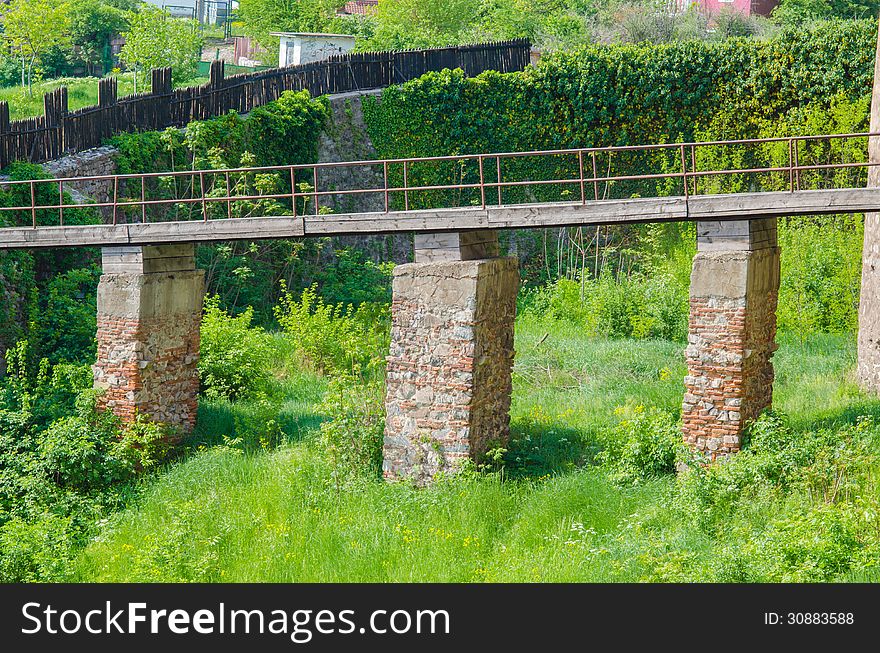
(767, 205)
(216, 230)
(592, 213)
(379, 223)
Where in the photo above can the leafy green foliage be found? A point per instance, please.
(155, 40)
(799, 12)
(280, 133)
(646, 443)
(63, 464)
(31, 27)
(334, 338)
(636, 307)
(94, 23)
(234, 354)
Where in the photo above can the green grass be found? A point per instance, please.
(81, 92)
(277, 516)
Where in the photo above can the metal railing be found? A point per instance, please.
(304, 190)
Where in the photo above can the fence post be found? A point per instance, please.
(4, 130)
(108, 92)
(54, 112)
(217, 75)
(160, 83)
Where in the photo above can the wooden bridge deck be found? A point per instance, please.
(744, 206)
(210, 197)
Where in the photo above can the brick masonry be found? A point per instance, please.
(448, 382)
(148, 340)
(731, 341)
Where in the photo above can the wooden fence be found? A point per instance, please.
(60, 131)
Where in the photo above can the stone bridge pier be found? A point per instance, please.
(149, 314)
(448, 383)
(732, 332)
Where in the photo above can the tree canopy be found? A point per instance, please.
(155, 40)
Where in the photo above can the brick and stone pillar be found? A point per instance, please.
(733, 296)
(868, 367)
(448, 383)
(149, 314)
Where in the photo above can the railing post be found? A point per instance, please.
(791, 164)
(498, 160)
(292, 189)
(33, 205)
(202, 191)
(405, 186)
(581, 168)
(482, 182)
(595, 176)
(385, 175)
(694, 165)
(143, 200)
(61, 203)
(115, 197)
(315, 180)
(684, 172)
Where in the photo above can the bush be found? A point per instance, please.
(37, 551)
(84, 452)
(352, 438)
(636, 307)
(828, 466)
(235, 355)
(645, 444)
(334, 338)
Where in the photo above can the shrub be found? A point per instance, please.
(37, 551)
(235, 355)
(84, 451)
(828, 466)
(637, 307)
(334, 338)
(644, 444)
(352, 438)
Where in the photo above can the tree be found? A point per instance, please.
(93, 24)
(32, 27)
(421, 23)
(155, 39)
(260, 17)
(797, 12)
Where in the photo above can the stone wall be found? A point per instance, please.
(731, 341)
(91, 163)
(346, 139)
(448, 383)
(149, 315)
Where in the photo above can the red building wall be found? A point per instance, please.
(747, 7)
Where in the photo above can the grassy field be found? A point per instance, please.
(81, 92)
(278, 516)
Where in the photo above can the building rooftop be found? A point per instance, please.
(312, 35)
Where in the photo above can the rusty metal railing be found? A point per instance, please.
(313, 188)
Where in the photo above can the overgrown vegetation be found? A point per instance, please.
(280, 482)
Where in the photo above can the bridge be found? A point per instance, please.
(205, 204)
(448, 380)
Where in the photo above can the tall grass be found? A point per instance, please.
(224, 515)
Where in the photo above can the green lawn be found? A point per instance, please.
(278, 516)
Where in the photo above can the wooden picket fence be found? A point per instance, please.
(59, 131)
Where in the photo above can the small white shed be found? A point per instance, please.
(299, 48)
